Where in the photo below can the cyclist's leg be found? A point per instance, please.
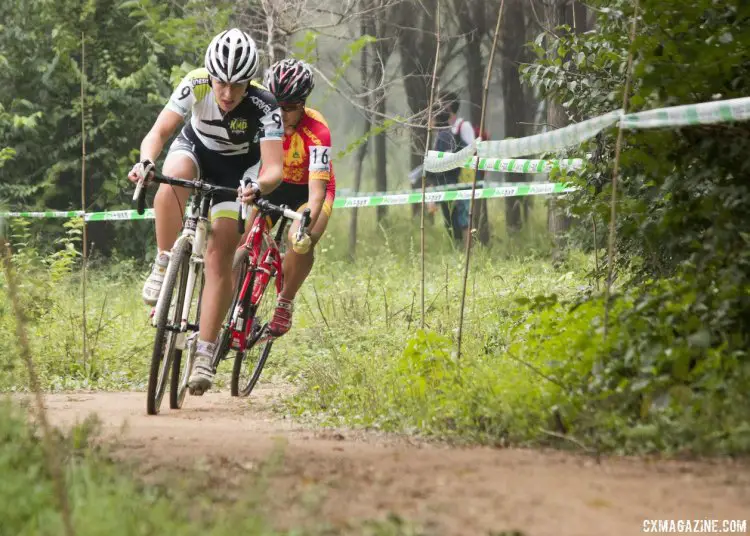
(169, 202)
(216, 297)
(298, 267)
(169, 206)
(461, 221)
(217, 290)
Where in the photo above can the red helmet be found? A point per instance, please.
(289, 80)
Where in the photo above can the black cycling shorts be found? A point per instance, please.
(215, 168)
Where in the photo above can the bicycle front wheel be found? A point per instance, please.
(167, 324)
(249, 364)
(240, 267)
(182, 364)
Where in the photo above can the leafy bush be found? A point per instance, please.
(50, 294)
(369, 365)
(676, 355)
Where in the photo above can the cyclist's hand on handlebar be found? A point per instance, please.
(250, 192)
(142, 170)
(301, 242)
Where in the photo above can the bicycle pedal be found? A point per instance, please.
(266, 336)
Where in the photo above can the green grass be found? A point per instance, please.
(535, 364)
(361, 357)
(119, 335)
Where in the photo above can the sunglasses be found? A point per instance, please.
(291, 107)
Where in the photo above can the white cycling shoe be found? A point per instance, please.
(202, 375)
(153, 284)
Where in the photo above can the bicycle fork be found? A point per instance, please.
(194, 274)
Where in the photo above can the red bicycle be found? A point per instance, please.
(256, 262)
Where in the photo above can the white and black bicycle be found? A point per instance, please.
(178, 307)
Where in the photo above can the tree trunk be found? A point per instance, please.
(358, 165)
(557, 13)
(381, 162)
(475, 71)
(558, 223)
(513, 36)
(416, 45)
(270, 29)
(362, 151)
(383, 48)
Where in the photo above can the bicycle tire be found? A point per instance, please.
(225, 336)
(239, 359)
(161, 357)
(178, 383)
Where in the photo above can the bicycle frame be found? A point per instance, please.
(183, 273)
(263, 266)
(195, 231)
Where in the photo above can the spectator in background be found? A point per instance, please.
(452, 135)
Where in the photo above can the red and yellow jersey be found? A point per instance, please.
(307, 152)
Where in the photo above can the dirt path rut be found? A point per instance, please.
(448, 491)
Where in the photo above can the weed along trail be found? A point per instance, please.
(319, 476)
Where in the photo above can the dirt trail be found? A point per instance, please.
(448, 491)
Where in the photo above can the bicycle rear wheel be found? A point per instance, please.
(249, 364)
(168, 317)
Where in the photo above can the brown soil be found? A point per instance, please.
(354, 475)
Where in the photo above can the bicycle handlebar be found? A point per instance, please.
(286, 212)
(140, 196)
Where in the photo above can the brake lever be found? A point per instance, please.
(241, 218)
(304, 224)
(242, 210)
(138, 187)
(140, 196)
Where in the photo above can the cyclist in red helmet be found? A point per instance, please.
(308, 179)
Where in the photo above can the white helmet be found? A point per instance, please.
(232, 57)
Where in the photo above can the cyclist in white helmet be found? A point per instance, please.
(235, 123)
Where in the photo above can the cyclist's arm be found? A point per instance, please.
(163, 128)
(271, 150)
(271, 174)
(317, 197)
(180, 103)
(319, 172)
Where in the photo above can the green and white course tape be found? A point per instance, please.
(726, 111)
(504, 190)
(511, 165)
(447, 161)
(552, 141)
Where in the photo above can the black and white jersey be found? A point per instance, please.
(238, 132)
